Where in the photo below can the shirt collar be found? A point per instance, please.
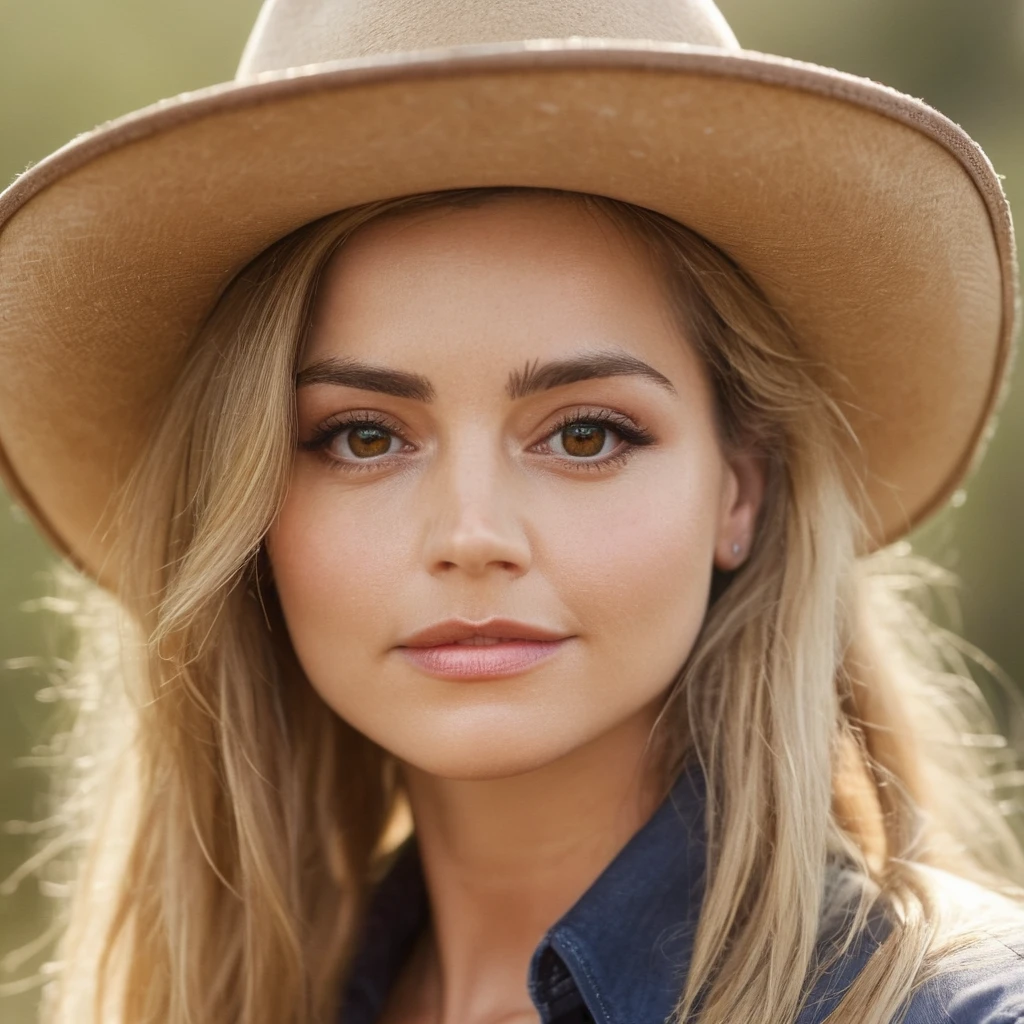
(625, 945)
(626, 942)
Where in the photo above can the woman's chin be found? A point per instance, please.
(482, 756)
(478, 769)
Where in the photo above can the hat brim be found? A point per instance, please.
(874, 224)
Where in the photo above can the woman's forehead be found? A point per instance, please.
(512, 280)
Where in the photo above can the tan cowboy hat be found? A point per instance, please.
(873, 222)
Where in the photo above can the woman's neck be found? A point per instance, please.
(504, 859)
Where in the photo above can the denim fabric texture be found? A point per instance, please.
(620, 954)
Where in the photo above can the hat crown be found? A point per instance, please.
(293, 33)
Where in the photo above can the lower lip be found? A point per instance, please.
(487, 661)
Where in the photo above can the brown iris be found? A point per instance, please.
(583, 439)
(368, 441)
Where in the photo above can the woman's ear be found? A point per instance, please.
(743, 487)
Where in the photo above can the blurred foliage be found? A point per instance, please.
(66, 65)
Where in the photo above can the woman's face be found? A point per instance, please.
(478, 482)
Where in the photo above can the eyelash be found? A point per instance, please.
(633, 434)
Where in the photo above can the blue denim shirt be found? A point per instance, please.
(620, 954)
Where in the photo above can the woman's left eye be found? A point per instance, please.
(583, 439)
(586, 439)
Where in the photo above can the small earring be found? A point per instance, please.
(736, 548)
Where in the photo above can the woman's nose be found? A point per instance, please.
(473, 514)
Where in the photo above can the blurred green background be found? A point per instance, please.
(66, 65)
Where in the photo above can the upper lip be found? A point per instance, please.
(451, 630)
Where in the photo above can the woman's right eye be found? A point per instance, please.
(363, 442)
(353, 442)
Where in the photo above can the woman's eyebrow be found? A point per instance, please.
(352, 373)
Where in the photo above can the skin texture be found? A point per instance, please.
(523, 788)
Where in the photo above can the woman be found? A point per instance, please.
(491, 566)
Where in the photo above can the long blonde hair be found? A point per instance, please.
(234, 824)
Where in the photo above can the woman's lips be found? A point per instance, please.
(469, 661)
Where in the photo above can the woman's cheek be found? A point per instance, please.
(331, 562)
(645, 542)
